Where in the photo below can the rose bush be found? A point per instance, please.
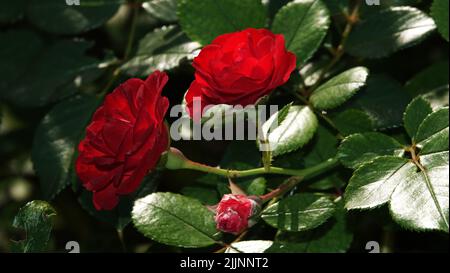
(361, 93)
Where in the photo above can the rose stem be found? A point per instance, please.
(303, 173)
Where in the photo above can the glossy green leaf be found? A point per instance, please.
(335, 236)
(304, 24)
(299, 212)
(174, 219)
(60, 18)
(353, 121)
(417, 195)
(439, 12)
(432, 135)
(294, 131)
(311, 72)
(35, 218)
(358, 149)
(164, 10)
(421, 199)
(415, 113)
(384, 100)
(204, 20)
(56, 140)
(388, 31)
(339, 89)
(373, 183)
(162, 49)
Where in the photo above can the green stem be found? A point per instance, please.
(339, 52)
(303, 173)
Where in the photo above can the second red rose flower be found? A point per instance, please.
(239, 68)
(124, 140)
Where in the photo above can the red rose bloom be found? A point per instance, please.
(239, 68)
(233, 213)
(124, 141)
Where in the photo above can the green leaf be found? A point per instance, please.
(396, 28)
(384, 100)
(253, 246)
(373, 183)
(353, 121)
(339, 89)
(299, 212)
(57, 17)
(56, 140)
(27, 68)
(416, 188)
(432, 85)
(358, 149)
(174, 219)
(334, 236)
(420, 201)
(304, 24)
(311, 72)
(257, 186)
(417, 195)
(439, 12)
(12, 11)
(415, 113)
(432, 135)
(323, 146)
(431, 79)
(366, 10)
(294, 131)
(207, 196)
(120, 216)
(204, 20)
(162, 49)
(164, 10)
(35, 219)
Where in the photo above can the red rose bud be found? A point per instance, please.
(239, 68)
(234, 212)
(124, 140)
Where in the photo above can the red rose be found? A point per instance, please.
(233, 213)
(124, 141)
(239, 68)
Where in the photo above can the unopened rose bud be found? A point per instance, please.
(234, 212)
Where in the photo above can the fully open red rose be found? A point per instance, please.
(233, 213)
(239, 68)
(124, 140)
